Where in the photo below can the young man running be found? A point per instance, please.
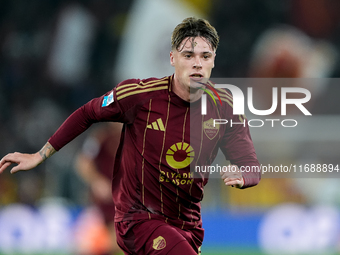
(156, 195)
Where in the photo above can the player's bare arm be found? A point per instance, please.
(26, 161)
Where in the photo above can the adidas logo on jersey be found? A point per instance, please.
(157, 125)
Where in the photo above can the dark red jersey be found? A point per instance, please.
(162, 136)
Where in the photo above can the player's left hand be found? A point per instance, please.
(232, 176)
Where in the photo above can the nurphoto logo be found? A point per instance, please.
(239, 104)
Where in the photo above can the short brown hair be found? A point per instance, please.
(193, 27)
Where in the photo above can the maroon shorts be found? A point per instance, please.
(154, 237)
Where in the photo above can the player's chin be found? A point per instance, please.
(197, 84)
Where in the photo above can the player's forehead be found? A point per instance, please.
(195, 44)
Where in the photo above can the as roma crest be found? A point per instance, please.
(209, 129)
(159, 243)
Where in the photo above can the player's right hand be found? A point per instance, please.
(24, 161)
(232, 176)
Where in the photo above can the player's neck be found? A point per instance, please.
(184, 92)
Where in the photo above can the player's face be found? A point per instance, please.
(194, 60)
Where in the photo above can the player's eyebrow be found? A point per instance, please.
(192, 52)
(187, 51)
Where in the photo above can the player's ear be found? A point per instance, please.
(172, 60)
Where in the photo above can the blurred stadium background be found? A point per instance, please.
(56, 55)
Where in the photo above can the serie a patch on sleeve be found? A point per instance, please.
(108, 99)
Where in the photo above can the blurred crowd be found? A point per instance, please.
(54, 57)
(57, 55)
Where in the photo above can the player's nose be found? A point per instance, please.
(197, 62)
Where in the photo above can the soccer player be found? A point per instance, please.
(156, 195)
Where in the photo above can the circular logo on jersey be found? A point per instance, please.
(180, 155)
(159, 243)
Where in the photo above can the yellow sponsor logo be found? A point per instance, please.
(177, 178)
(180, 155)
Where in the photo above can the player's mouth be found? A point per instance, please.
(196, 76)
